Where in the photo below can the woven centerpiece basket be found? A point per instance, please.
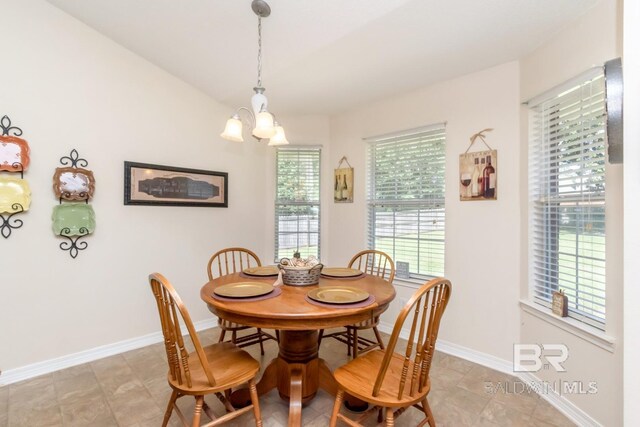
(298, 272)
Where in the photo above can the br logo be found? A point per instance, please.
(529, 357)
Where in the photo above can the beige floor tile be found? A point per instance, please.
(140, 354)
(72, 372)
(444, 378)
(505, 415)
(468, 400)
(23, 415)
(110, 366)
(120, 385)
(518, 397)
(159, 388)
(484, 423)
(322, 403)
(72, 388)
(538, 423)
(4, 406)
(457, 407)
(479, 379)
(456, 364)
(91, 411)
(548, 414)
(157, 422)
(134, 407)
(151, 368)
(32, 395)
(438, 357)
(131, 390)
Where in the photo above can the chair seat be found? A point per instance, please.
(229, 365)
(355, 377)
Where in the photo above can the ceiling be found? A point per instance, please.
(324, 57)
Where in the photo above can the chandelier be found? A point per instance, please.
(264, 123)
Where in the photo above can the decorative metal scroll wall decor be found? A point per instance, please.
(15, 195)
(76, 219)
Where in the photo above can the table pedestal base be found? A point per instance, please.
(297, 372)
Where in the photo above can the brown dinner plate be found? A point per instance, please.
(244, 290)
(340, 272)
(267, 270)
(338, 295)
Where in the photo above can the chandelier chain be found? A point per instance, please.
(259, 51)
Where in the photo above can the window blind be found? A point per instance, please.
(567, 198)
(405, 188)
(297, 205)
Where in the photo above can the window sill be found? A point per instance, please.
(574, 327)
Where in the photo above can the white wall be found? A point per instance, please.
(68, 87)
(482, 242)
(590, 41)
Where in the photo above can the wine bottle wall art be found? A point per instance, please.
(343, 183)
(478, 175)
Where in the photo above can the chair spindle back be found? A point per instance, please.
(231, 260)
(169, 305)
(376, 263)
(425, 309)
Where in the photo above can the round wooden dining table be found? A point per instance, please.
(297, 372)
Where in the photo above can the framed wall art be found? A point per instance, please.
(478, 178)
(148, 184)
(343, 183)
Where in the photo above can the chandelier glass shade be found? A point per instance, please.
(263, 122)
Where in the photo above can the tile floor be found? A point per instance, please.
(130, 390)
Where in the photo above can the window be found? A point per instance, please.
(567, 197)
(406, 199)
(297, 202)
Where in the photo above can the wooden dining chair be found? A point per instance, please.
(375, 263)
(228, 261)
(402, 379)
(213, 369)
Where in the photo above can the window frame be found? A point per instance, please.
(279, 203)
(431, 205)
(536, 202)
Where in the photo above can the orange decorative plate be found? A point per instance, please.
(14, 154)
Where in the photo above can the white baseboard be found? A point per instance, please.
(561, 403)
(29, 371)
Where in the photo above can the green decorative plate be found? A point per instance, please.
(15, 195)
(73, 219)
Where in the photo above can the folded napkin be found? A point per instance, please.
(278, 281)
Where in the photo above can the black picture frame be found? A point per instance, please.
(174, 186)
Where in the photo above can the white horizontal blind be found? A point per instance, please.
(406, 199)
(567, 198)
(297, 202)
